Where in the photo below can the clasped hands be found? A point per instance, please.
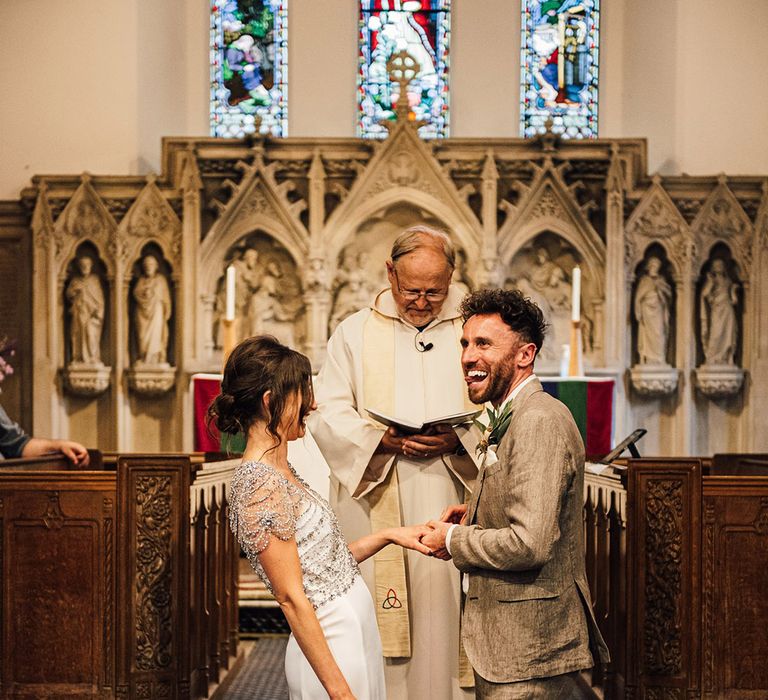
(437, 441)
(429, 539)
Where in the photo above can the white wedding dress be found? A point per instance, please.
(263, 503)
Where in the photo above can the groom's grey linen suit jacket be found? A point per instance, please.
(527, 612)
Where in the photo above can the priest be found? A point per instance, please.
(401, 358)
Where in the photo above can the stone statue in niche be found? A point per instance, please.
(653, 297)
(717, 312)
(353, 287)
(86, 305)
(545, 280)
(268, 296)
(248, 272)
(550, 280)
(271, 308)
(153, 310)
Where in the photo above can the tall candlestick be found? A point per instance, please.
(576, 300)
(229, 310)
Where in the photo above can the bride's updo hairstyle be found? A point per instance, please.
(257, 365)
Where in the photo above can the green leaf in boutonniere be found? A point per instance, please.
(498, 422)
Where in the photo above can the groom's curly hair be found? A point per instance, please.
(519, 312)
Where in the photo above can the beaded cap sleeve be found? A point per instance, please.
(263, 504)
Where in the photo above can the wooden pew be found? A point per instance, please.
(678, 568)
(120, 580)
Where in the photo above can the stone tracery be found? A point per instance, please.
(319, 215)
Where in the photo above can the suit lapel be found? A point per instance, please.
(531, 388)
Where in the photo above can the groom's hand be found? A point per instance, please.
(435, 539)
(455, 515)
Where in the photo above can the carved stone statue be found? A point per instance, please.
(652, 310)
(153, 309)
(718, 316)
(268, 312)
(354, 288)
(86, 300)
(546, 282)
(249, 271)
(550, 280)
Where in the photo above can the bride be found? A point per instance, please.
(290, 535)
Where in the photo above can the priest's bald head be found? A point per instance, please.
(419, 271)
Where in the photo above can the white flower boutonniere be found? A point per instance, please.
(492, 433)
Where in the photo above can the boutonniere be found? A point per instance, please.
(498, 422)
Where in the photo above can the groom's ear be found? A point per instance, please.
(526, 354)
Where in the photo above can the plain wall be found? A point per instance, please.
(89, 88)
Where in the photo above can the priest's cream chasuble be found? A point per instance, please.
(374, 361)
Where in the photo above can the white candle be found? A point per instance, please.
(229, 311)
(576, 299)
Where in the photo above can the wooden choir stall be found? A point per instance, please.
(119, 581)
(677, 559)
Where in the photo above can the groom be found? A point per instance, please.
(527, 627)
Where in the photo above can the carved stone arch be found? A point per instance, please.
(403, 168)
(215, 246)
(657, 219)
(151, 219)
(722, 218)
(593, 260)
(85, 217)
(464, 233)
(255, 209)
(549, 205)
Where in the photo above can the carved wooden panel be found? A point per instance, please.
(153, 545)
(55, 559)
(735, 606)
(663, 631)
(104, 575)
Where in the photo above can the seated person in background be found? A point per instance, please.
(14, 442)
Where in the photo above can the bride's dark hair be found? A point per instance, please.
(255, 366)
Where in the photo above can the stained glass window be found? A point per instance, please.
(422, 28)
(249, 67)
(559, 67)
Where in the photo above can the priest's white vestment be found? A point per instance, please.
(426, 384)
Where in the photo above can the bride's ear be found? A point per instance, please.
(266, 399)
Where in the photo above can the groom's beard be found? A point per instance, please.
(496, 386)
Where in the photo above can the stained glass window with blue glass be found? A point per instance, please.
(559, 67)
(422, 28)
(249, 67)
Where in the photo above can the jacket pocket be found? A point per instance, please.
(506, 592)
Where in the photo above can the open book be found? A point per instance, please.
(408, 426)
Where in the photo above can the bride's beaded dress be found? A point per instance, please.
(264, 504)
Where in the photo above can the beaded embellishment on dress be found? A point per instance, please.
(264, 503)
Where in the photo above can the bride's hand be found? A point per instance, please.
(410, 536)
